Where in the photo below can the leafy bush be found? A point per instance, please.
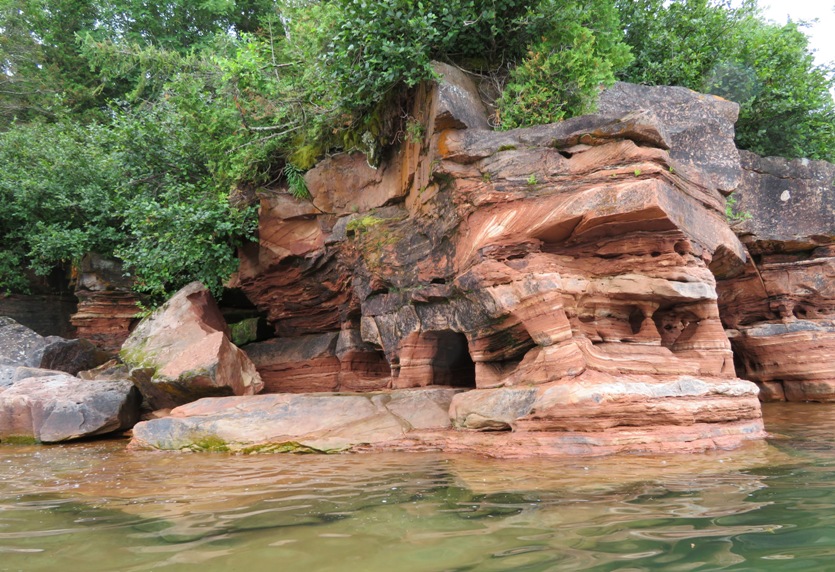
(126, 126)
(565, 69)
(55, 186)
(138, 189)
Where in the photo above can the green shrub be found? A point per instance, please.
(566, 67)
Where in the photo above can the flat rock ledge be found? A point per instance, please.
(679, 415)
(300, 423)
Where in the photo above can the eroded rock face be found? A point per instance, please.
(780, 312)
(320, 362)
(564, 272)
(182, 352)
(60, 407)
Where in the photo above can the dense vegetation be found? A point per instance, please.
(144, 130)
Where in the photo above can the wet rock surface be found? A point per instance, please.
(302, 423)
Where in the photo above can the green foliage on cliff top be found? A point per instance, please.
(576, 53)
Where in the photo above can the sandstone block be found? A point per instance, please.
(297, 365)
(107, 306)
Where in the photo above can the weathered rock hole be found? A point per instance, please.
(636, 320)
(655, 254)
(452, 364)
(681, 248)
(803, 312)
(438, 281)
(672, 322)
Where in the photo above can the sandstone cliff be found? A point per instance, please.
(565, 273)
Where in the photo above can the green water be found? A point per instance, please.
(97, 506)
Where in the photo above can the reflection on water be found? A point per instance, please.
(96, 506)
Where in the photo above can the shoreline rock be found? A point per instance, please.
(61, 407)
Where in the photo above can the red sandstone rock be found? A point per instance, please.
(182, 352)
(324, 362)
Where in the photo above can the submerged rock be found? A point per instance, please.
(60, 408)
(182, 352)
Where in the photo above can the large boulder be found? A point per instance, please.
(182, 352)
(62, 408)
(296, 422)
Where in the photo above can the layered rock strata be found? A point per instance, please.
(563, 274)
(780, 312)
(107, 307)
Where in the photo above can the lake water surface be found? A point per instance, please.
(97, 506)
